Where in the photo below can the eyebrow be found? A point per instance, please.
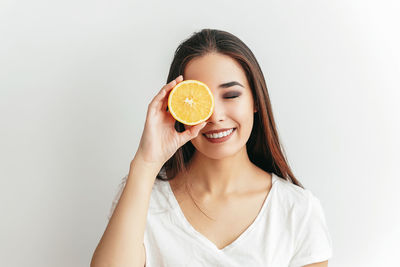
(229, 84)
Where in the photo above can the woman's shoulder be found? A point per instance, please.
(160, 199)
(302, 212)
(299, 205)
(293, 196)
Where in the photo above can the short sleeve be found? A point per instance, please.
(117, 196)
(314, 243)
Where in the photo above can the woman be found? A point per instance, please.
(191, 201)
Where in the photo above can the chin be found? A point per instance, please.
(217, 154)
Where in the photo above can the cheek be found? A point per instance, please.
(244, 117)
(239, 114)
(242, 114)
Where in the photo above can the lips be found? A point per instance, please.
(219, 138)
(218, 131)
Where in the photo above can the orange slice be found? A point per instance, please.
(191, 102)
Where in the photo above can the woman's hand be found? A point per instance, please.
(159, 139)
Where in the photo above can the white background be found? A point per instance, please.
(76, 78)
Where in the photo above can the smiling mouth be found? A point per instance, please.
(219, 135)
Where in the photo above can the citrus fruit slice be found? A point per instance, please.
(191, 102)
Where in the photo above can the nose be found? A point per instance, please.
(218, 114)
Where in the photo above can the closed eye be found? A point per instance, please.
(232, 95)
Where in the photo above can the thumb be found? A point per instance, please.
(192, 132)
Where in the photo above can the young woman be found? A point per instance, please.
(191, 200)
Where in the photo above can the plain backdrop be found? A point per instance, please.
(76, 78)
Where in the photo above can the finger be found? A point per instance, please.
(192, 132)
(163, 103)
(165, 100)
(167, 91)
(158, 100)
(177, 80)
(172, 84)
(160, 96)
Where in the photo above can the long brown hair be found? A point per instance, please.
(263, 146)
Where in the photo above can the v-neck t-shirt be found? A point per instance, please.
(290, 230)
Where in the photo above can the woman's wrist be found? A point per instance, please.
(138, 159)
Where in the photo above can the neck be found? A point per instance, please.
(217, 177)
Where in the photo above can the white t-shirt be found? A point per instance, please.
(289, 231)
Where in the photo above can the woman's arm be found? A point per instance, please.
(122, 241)
(318, 264)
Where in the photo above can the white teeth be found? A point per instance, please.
(219, 135)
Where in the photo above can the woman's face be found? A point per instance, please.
(234, 105)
